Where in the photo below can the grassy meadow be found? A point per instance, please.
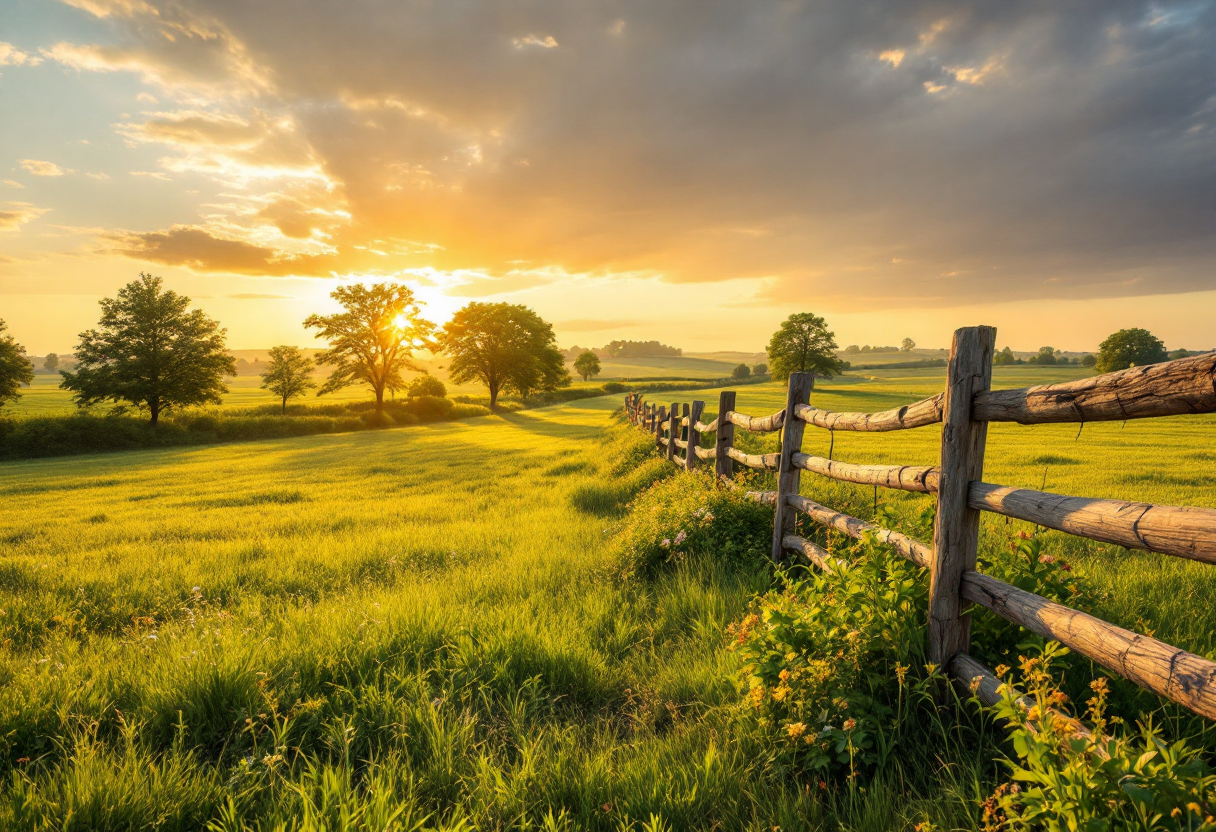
(429, 628)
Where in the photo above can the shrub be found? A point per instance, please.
(379, 420)
(691, 516)
(430, 409)
(427, 385)
(614, 387)
(828, 673)
(462, 410)
(1111, 777)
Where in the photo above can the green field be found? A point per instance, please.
(420, 620)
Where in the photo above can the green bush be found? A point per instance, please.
(430, 408)
(614, 387)
(427, 385)
(1109, 777)
(691, 516)
(833, 663)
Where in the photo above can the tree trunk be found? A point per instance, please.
(379, 399)
(284, 405)
(493, 394)
(155, 408)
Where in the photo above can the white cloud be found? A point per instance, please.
(12, 56)
(547, 42)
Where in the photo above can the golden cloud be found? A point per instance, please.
(200, 250)
(39, 167)
(13, 215)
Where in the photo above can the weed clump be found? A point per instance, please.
(693, 516)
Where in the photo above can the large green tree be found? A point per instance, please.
(587, 365)
(373, 339)
(15, 368)
(803, 344)
(507, 347)
(1127, 348)
(151, 351)
(288, 373)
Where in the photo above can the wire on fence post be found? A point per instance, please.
(799, 392)
(956, 531)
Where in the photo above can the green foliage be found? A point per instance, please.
(507, 347)
(1129, 347)
(741, 372)
(288, 374)
(587, 365)
(760, 369)
(691, 516)
(51, 362)
(15, 368)
(373, 339)
(907, 345)
(1088, 360)
(427, 385)
(151, 353)
(803, 344)
(1109, 777)
(833, 663)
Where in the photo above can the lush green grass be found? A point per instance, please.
(435, 620)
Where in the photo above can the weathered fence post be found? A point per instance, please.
(691, 460)
(673, 429)
(660, 418)
(956, 532)
(648, 417)
(788, 476)
(724, 439)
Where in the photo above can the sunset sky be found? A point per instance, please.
(689, 171)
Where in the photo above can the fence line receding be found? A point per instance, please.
(964, 409)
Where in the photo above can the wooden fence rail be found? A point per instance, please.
(964, 409)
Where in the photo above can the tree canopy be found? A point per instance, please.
(1129, 347)
(507, 347)
(908, 345)
(803, 344)
(15, 368)
(150, 351)
(587, 365)
(288, 373)
(741, 372)
(373, 339)
(51, 362)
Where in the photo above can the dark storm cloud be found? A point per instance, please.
(910, 152)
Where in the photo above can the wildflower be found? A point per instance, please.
(1047, 559)
(1194, 807)
(1098, 685)
(681, 537)
(757, 695)
(709, 517)
(975, 683)
(1002, 669)
(784, 675)
(849, 724)
(901, 672)
(795, 730)
(665, 544)
(780, 692)
(1066, 567)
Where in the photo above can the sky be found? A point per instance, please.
(691, 171)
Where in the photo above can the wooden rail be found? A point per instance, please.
(1184, 386)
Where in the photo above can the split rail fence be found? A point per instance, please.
(964, 409)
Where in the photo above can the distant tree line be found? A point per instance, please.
(150, 352)
(626, 349)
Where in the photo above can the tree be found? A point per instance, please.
(373, 340)
(1129, 348)
(1004, 358)
(803, 344)
(150, 351)
(908, 345)
(759, 369)
(741, 372)
(51, 362)
(507, 347)
(15, 368)
(427, 385)
(1088, 360)
(1179, 353)
(587, 365)
(852, 349)
(288, 374)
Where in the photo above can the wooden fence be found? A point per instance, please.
(964, 409)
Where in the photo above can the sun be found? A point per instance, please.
(400, 322)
